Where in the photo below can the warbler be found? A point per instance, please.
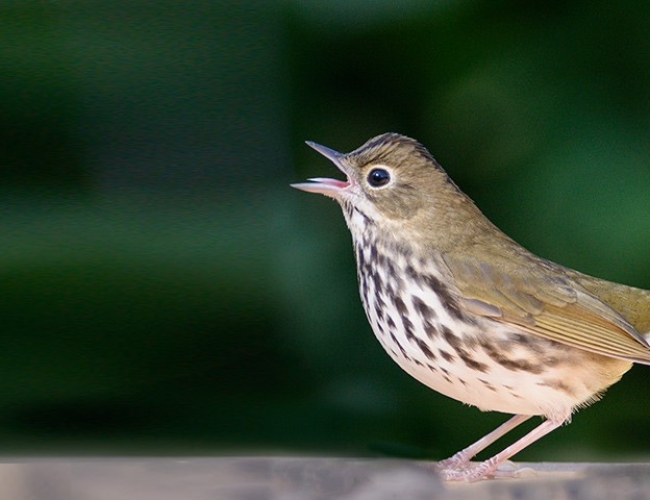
(469, 312)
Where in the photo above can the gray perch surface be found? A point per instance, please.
(303, 478)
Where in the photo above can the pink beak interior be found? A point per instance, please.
(324, 185)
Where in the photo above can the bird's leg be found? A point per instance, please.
(489, 467)
(462, 458)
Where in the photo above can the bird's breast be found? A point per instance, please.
(414, 313)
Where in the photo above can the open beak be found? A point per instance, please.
(324, 185)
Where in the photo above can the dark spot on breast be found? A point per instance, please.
(373, 252)
(522, 365)
(408, 328)
(422, 345)
(399, 346)
(364, 287)
(487, 384)
(510, 364)
(442, 291)
(379, 258)
(454, 310)
(430, 330)
(457, 345)
(449, 336)
(551, 361)
(379, 311)
(400, 305)
(558, 385)
(388, 290)
(361, 262)
(425, 312)
(374, 275)
(445, 355)
(410, 272)
(473, 364)
(522, 339)
(403, 312)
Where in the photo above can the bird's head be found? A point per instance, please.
(391, 180)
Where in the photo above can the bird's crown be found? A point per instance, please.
(393, 149)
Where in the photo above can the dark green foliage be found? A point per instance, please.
(164, 290)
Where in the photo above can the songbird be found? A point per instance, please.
(469, 312)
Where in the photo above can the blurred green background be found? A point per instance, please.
(165, 291)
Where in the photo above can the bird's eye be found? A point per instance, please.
(378, 177)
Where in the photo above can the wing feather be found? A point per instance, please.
(541, 298)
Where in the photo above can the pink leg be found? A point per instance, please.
(463, 457)
(488, 468)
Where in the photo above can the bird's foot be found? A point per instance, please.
(473, 471)
(459, 460)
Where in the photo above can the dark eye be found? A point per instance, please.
(378, 177)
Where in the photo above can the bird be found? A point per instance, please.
(466, 310)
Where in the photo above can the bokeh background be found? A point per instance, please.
(165, 291)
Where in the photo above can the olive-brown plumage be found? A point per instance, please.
(469, 312)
